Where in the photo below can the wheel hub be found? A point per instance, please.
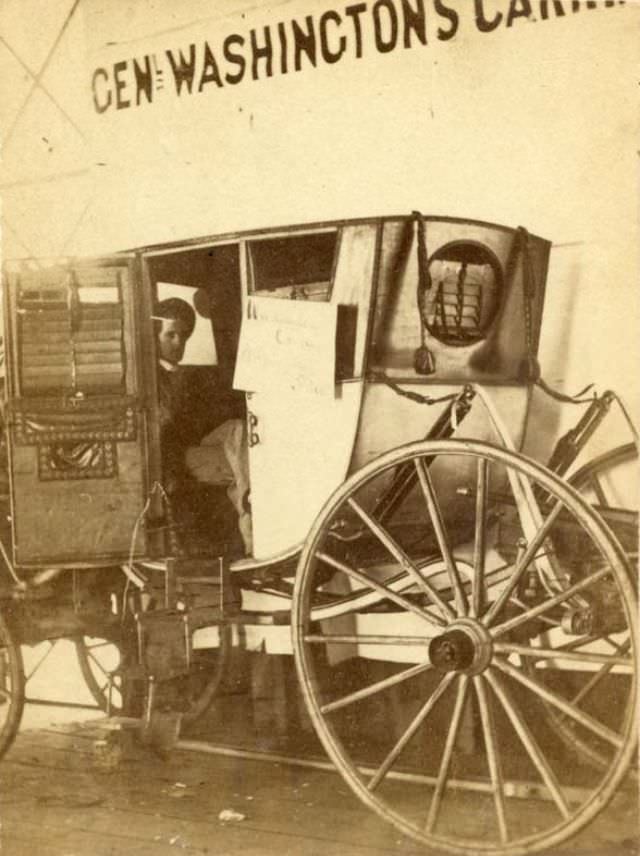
(464, 647)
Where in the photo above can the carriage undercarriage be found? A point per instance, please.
(497, 596)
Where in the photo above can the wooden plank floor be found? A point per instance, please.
(59, 797)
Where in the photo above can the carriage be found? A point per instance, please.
(424, 573)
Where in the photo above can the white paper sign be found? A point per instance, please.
(287, 345)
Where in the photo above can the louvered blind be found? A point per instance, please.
(71, 334)
(46, 354)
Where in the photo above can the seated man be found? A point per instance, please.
(220, 456)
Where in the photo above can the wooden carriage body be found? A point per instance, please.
(81, 393)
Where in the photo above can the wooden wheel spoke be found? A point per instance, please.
(435, 513)
(401, 557)
(620, 647)
(599, 492)
(551, 622)
(103, 644)
(6, 694)
(378, 687)
(552, 602)
(480, 539)
(363, 639)
(555, 654)
(383, 590)
(443, 772)
(578, 643)
(493, 756)
(40, 661)
(98, 664)
(565, 706)
(409, 732)
(529, 742)
(595, 679)
(528, 556)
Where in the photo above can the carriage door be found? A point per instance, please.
(76, 422)
(302, 351)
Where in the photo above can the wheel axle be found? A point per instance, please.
(452, 651)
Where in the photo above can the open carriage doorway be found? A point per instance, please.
(209, 279)
(196, 303)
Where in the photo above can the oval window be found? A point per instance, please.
(464, 294)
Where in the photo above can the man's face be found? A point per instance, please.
(171, 340)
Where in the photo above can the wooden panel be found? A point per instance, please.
(494, 347)
(76, 520)
(406, 421)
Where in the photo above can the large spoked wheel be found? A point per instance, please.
(489, 592)
(12, 684)
(100, 664)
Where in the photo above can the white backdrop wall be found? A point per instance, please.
(533, 123)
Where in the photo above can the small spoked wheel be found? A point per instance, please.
(198, 689)
(100, 663)
(449, 595)
(12, 683)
